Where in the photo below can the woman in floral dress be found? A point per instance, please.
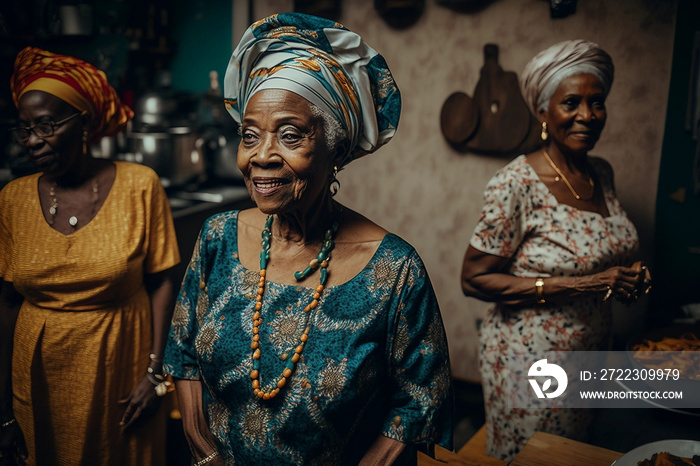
(552, 245)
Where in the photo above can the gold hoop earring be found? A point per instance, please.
(544, 135)
(335, 184)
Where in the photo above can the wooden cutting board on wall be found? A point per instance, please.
(504, 118)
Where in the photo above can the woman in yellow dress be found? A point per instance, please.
(86, 248)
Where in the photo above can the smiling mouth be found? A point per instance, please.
(268, 185)
(584, 134)
(43, 159)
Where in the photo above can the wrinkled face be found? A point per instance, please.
(63, 151)
(283, 155)
(576, 113)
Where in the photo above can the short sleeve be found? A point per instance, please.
(501, 226)
(163, 252)
(180, 358)
(421, 400)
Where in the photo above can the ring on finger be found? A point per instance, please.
(607, 294)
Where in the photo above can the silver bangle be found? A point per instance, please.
(8, 423)
(204, 461)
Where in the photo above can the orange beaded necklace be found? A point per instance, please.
(320, 261)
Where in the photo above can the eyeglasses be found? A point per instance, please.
(43, 129)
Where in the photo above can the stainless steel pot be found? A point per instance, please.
(174, 154)
(155, 109)
(220, 153)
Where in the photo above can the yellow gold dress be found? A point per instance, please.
(83, 334)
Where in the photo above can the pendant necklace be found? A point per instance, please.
(73, 220)
(320, 261)
(566, 181)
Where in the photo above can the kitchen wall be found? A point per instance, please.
(202, 30)
(431, 195)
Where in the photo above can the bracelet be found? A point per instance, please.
(539, 290)
(204, 461)
(607, 294)
(8, 423)
(161, 383)
(154, 378)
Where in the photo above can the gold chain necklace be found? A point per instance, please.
(73, 220)
(321, 261)
(566, 181)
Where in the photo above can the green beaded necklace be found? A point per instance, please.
(320, 261)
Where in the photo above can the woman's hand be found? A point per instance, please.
(626, 284)
(141, 404)
(13, 449)
(483, 278)
(194, 424)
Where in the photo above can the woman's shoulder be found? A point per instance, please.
(135, 172)
(600, 165)
(399, 248)
(517, 177)
(220, 219)
(25, 183)
(517, 169)
(358, 228)
(603, 169)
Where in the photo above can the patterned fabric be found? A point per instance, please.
(547, 69)
(376, 361)
(74, 81)
(83, 334)
(324, 63)
(521, 219)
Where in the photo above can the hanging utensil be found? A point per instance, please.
(459, 118)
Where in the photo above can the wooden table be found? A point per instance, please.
(473, 453)
(551, 450)
(541, 450)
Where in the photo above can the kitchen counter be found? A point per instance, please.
(186, 203)
(190, 210)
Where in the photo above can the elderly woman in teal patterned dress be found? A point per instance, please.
(305, 333)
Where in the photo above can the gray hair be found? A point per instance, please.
(332, 130)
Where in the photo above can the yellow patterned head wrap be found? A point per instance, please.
(74, 81)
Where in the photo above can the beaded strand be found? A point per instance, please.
(320, 261)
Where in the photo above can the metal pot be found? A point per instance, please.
(220, 151)
(154, 109)
(174, 154)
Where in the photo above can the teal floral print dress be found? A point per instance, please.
(375, 363)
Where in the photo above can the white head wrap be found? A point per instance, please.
(543, 74)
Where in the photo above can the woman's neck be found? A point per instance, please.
(88, 168)
(573, 161)
(308, 226)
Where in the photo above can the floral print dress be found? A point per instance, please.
(522, 220)
(376, 360)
